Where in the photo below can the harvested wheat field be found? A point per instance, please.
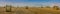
(30, 10)
(29, 6)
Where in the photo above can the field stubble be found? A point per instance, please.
(30, 11)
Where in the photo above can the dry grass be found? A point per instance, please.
(33, 11)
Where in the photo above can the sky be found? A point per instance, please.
(37, 3)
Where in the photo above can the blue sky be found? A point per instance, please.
(29, 2)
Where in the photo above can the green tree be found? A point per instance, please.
(56, 7)
(26, 7)
(47, 6)
(8, 8)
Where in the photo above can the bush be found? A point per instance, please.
(26, 7)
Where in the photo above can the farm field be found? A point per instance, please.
(29, 6)
(31, 10)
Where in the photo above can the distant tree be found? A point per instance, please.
(47, 6)
(41, 7)
(26, 7)
(56, 7)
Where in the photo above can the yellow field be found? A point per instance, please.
(31, 10)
